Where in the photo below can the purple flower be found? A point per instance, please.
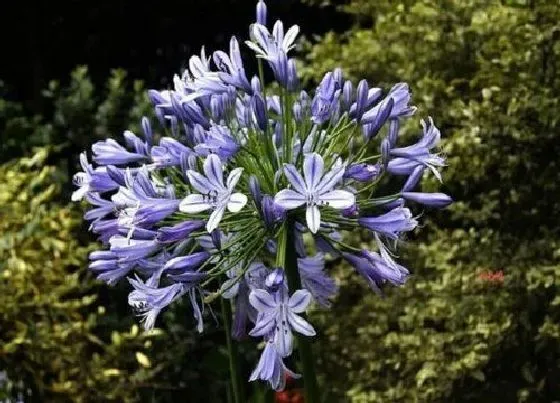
(274, 47)
(316, 190)
(261, 12)
(91, 180)
(413, 179)
(218, 140)
(373, 119)
(429, 199)
(277, 314)
(104, 207)
(108, 267)
(390, 224)
(313, 278)
(169, 152)
(213, 194)
(272, 212)
(325, 100)
(362, 172)
(231, 67)
(271, 368)
(182, 266)
(377, 270)
(132, 249)
(409, 158)
(149, 300)
(109, 152)
(178, 232)
(401, 97)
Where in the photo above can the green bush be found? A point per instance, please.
(487, 71)
(49, 316)
(63, 335)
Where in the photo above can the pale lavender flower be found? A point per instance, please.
(390, 224)
(91, 180)
(109, 152)
(108, 267)
(428, 199)
(149, 300)
(315, 280)
(377, 270)
(409, 158)
(231, 67)
(316, 190)
(271, 368)
(362, 172)
(278, 315)
(274, 47)
(178, 232)
(213, 194)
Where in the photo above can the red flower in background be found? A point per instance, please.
(290, 394)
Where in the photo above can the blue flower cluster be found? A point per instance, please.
(196, 210)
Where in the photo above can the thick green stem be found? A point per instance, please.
(286, 257)
(236, 382)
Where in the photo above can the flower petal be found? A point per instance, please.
(289, 199)
(331, 178)
(215, 218)
(338, 199)
(300, 325)
(295, 178)
(262, 301)
(199, 182)
(213, 170)
(299, 301)
(236, 202)
(283, 338)
(313, 166)
(313, 217)
(194, 203)
(233, 178)
(265, 323)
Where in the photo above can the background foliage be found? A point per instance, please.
(488, 73)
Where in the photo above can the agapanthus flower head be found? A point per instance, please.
(173, 211)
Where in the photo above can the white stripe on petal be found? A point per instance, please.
(338, 199)
(313, 217)
(215, 218)
(236, 202)
(193, 203)
(289, 199)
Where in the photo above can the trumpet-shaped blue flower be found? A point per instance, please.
(213, 194)
(277, 315)
(271, 368)
(316, 190)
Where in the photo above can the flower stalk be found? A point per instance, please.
(233, 355)
(287, 257)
